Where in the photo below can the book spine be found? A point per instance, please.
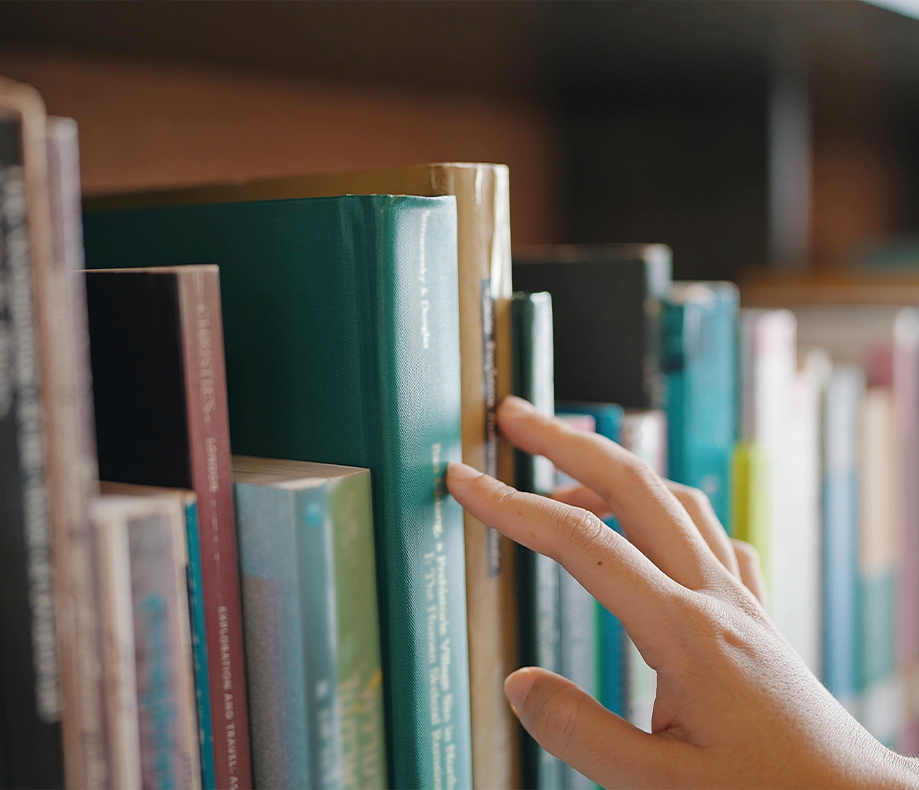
(168, 746)
(209, 440)
(484, 258)
(199, 647)
(537, 576)
(73, 471)
(28, 648)
(314, 540)
(275, 642)
(578, 650)
(360, 674)
(419, 526)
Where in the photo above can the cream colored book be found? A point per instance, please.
(484, 254)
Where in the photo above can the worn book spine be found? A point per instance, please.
(73, 471)
(209, 443)
(360, 674)
(29, 669)
(169, 750)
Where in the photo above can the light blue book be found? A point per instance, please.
(611, 677)
(700, 370)
(842, 406)
(286, 568)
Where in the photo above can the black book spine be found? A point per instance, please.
(29, 678)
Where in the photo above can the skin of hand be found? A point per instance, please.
(735, 705)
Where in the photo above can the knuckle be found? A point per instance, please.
(639, 475)
(577, 529)
(556, 720)
(696, 499)
(746, 552)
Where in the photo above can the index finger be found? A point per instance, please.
(649, 514)
(619, 576)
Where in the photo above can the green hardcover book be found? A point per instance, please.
(345, 498)
(538, 577)
(342, 345)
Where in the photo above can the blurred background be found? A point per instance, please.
(766, 142)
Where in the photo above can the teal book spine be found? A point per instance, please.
(360, 674)
(700, 364)
(199, 648)
(317, 596)
(538, 577)
(274, 641)
(342, 346)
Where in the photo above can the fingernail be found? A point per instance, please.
(461, 472)
(517, 686)
(512, 406)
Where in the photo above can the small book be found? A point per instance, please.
(537, 575)
(161, 419)
(311, 623)
(342, 346)
(700, 371)
(484, 270)
(142, 563)
(195, 583)
(607, 302)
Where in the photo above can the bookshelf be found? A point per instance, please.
(619, 120)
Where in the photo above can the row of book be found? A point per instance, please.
(315, 610)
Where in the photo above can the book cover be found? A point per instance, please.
(699, 361)
(198, 635)
(161, 419)
(344, 494)
(537, 575)
(29, 666)
(484, 268)
(607, 303)
(342, 342)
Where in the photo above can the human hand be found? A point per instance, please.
(735, 705)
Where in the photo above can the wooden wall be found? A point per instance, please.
(146, 125)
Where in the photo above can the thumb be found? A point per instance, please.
(570, 724)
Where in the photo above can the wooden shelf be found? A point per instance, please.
(836, 289)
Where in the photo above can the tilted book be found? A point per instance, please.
(161, 419)
(484, 269)
(607, 303)
(342, 343)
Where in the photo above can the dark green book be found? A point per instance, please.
(537, 576)
(342, 344)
